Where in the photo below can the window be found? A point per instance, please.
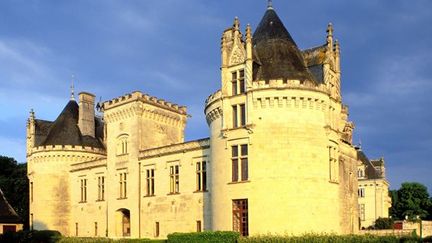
(83, 190)
(361, 192)
(241, 217)
(123, 185)
(242, 158)
(150, 182)
(360, 173)
(31, 221)
(101, 188)
(362, 212)
(174, 179)
(122, 145)
(201, 176)
(239, 115)
(199, 226)
(157, 229)
(333, 164)
(238, 82)
(96, 229)
(76, 229)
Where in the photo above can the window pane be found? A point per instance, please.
(234, 169)
(234, 116)
(244, 167)
(242, 115)
(234, 150)
(244, 150)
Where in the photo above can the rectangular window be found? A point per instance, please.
(242, 115)
(242, 82)
(242, 158)
(234, 83)
(101, 188)
(174, 179)
(234, 116)
(123, 185)
(150, 182)
(96, 229)
(241, 217)
(199, 226)
(83, 190)
(333, 164)
(76, 229)
(361, 192)
(157, 229)
(362, 212)
(31, 221)
(234, 160)
(201, 176)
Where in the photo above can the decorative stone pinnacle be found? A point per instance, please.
(72, 88)
(330, 29)
(236, 23)
(248, 31)
(32, 114)
(269, 4)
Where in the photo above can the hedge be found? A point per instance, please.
(314, 238)
(204, 237)
(106, 240)
(34, 236)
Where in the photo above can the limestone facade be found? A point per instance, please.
(279, 158)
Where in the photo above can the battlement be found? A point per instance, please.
(138, 96)
(67, 148)
(215, 96)
(288, 84)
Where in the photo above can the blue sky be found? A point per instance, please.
(170, 49)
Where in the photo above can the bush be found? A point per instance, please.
(384, 223)
(204, 237)
(42, 236)
(106, 240)
(314, 238)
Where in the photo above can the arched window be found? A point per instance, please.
(122, 144)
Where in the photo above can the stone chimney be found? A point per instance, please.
(86, 120)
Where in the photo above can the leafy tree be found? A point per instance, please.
(411, 200)
(14, 184)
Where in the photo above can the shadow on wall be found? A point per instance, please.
(38, 225)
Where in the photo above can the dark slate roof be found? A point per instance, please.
(7, 213)
(275, 52)
(370, 171)
(65, 130)
(42, 128)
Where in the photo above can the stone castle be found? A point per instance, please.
(279, 158)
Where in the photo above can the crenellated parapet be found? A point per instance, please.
(175, 148)
(288, 84)
(145, 98)
(214, 114)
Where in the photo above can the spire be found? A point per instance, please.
(269, 4)
(236, 23)
(72, 88)
(248, 33)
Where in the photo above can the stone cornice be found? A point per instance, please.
(88, 165)
(175, 148)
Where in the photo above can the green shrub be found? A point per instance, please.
(384, 223)
(106, 240)
(204, 237)
(315, 238)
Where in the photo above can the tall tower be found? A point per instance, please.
(275, 138)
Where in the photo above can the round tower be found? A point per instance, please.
(275, 133)
(52, 148)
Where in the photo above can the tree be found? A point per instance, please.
(14, 184)
(384, 223)
(411, 200)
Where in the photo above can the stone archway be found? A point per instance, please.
(123, 222)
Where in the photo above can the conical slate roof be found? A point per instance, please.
(275, 51)
(65, 130)
(7, 213)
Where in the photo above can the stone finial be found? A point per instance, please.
(236, 23)
(72, 88)
(330, 35)
(248, 33)
(32, 114)
(269, 4)
(336, 46)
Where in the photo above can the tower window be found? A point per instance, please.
(201, 176)
(238, 82)
(239, 158)
(240, 216)
(174, 179)
(101, 188)
(361, 192)
(123, 185)
(150, 182)
(83, 190)
(239, 115)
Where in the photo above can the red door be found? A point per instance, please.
(9, 228)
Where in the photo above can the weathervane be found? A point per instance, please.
(72, 88)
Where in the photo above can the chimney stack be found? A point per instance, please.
(86, 120)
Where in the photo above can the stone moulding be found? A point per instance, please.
(88, 165)
(175, 148)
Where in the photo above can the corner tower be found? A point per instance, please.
(277, 138)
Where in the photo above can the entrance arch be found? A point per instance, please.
(123, 222)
